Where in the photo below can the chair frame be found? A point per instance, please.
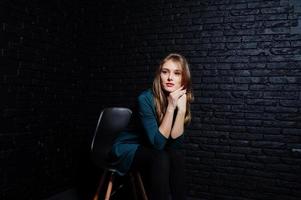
(135, 177)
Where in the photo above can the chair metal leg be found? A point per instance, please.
(136, 181)
(134, 190)
(110, 186)
(141, 186)
(96, 196)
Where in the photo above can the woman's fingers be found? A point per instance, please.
(181, 93)
(179, 89)
(175, 95)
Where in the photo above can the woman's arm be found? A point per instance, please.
(156, 134)
(173, 102)
(178, 127)
(149, 121)
(166, 124)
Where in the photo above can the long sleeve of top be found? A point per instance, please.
(148, 119)
(127, 142)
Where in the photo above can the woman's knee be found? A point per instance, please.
(176, 154)
(177, 158)
(161, 160)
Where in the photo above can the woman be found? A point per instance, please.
(155, 150)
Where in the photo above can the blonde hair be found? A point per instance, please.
(160, 97)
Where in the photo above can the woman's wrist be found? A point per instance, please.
(170, 108)
(181, 111)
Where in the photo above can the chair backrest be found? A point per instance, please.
(110, 123)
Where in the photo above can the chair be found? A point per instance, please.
(110, 123)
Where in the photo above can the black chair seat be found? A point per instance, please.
(110, 123)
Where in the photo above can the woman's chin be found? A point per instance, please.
(169, 89)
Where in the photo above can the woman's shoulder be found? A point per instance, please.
(146, 94)
(146, 100)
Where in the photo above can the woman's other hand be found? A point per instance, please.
(174, 97)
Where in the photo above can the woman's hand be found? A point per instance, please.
(174, 97)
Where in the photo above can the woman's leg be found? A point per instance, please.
(154, 167)
(177, 174)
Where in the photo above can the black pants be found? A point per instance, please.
(162, 172)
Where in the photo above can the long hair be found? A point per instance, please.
(160, 97)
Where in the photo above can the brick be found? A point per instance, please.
(233, 7)
(278, 23)
(218, 80)
(227, 101)
(247, 165)
(246, 136)
(257, 38)
(266, 4)
(214, 148)
(278, 109)
(246, 18)
(264, 130)
(262, 116)
(215, 134)
(242, 80)
(242, 11)
(249, 45)
(242, 73)
(280, 95)
(280, 124)
(274, 10)
(247, 94)
(246, 122)
(240, 143)
(267, 87)
(233, 86)
(283, 51)
(292, 131)
(250, 108)
(260, 173)
(273, 30)
(210, 20)
(263, 159)
(268, 144)
(230, 128)
(239, 32)
(261, 102)
(282, 167)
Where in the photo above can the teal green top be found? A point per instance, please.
(127, 142)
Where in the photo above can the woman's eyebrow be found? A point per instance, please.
(176, 70)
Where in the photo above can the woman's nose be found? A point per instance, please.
(169, 77)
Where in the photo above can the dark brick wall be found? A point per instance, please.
(245, 59)
(42, 78)
(61, 62)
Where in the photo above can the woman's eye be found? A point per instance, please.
(177, 73)
(164, 72)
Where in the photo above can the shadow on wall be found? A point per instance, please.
(86, 176)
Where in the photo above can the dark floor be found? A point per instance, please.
(123, 188)
(70, 194)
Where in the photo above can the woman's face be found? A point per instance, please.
(171, 76)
